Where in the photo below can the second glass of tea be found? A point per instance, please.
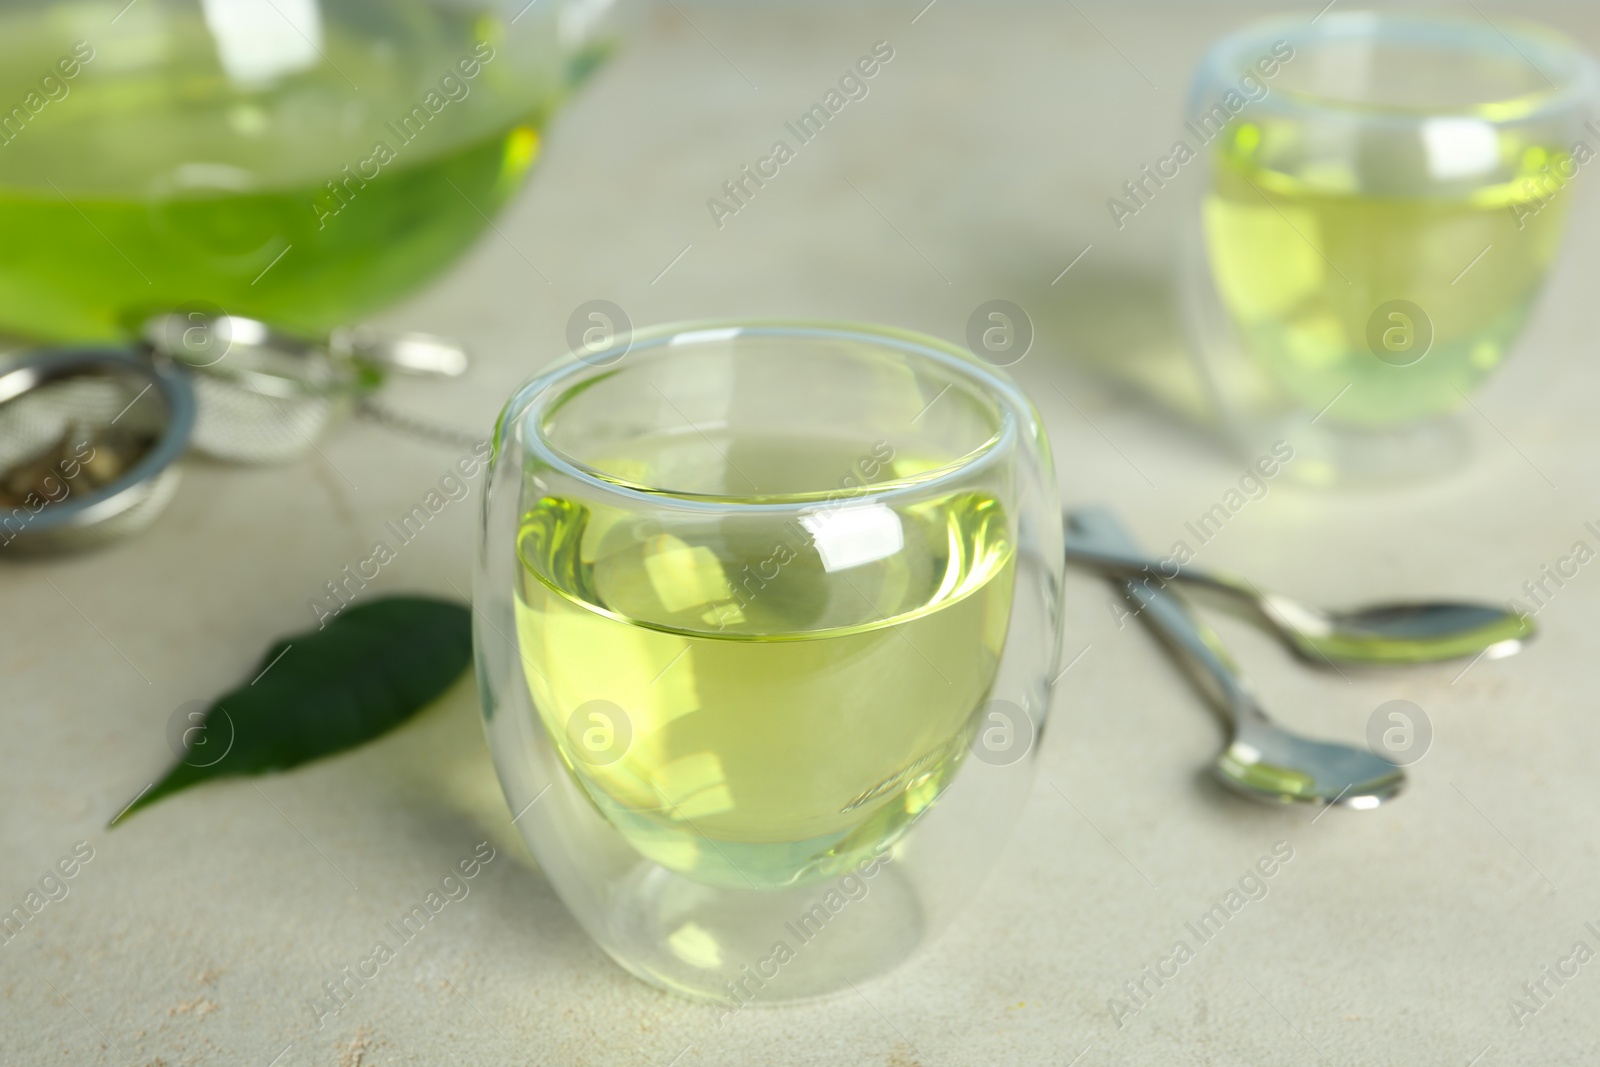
(1384, 195)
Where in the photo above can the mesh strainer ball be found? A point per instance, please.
(88, 440)
(264, 396)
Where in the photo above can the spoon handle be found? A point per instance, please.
(1100, 530)
(1125, 560)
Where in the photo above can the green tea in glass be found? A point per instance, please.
(1384, 196)
(769, 612)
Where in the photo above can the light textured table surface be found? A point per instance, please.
(978, 167)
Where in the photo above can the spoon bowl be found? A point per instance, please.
(1398, 633)
(1383, 634)
(1280, 767)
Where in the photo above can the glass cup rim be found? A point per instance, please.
(540, 395)
(1577, 76)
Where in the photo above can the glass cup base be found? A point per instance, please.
(1330, 454)
(746, 948)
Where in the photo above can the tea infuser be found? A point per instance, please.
(266, 396)
(88, 443)
(263, 396)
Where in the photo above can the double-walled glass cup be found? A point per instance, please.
(1383, 195)
(768, 613)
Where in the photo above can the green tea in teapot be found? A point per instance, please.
(298, 162)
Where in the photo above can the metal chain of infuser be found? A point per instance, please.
(409, 425)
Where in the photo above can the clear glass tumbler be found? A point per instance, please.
(1382, 197)
(768, 616)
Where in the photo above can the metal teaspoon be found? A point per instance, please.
(1382, 634)
(1262, 761)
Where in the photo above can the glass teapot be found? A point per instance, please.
(300, 161)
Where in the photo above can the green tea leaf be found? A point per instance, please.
(321, 692)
